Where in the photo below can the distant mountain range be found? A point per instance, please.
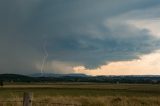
(57, 75)
(49, 77)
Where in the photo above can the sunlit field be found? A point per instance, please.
(86, 94)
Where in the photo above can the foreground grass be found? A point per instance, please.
(108, 101)
(88, 94)
(90, 101)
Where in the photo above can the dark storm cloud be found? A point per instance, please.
(74, 32)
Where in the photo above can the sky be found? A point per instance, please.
(93, 37)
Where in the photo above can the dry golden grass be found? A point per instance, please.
(104, 100)
(90, 101)
(89, 94)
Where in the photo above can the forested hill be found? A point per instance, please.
(15, 78)
(80, 78)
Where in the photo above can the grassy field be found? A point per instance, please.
(87, 94)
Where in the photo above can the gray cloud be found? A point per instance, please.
(75, 31)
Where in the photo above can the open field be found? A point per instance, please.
(84, 89)
(89, 94)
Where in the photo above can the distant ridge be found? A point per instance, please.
(14, 77)
(48, 77)
(57, 75)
